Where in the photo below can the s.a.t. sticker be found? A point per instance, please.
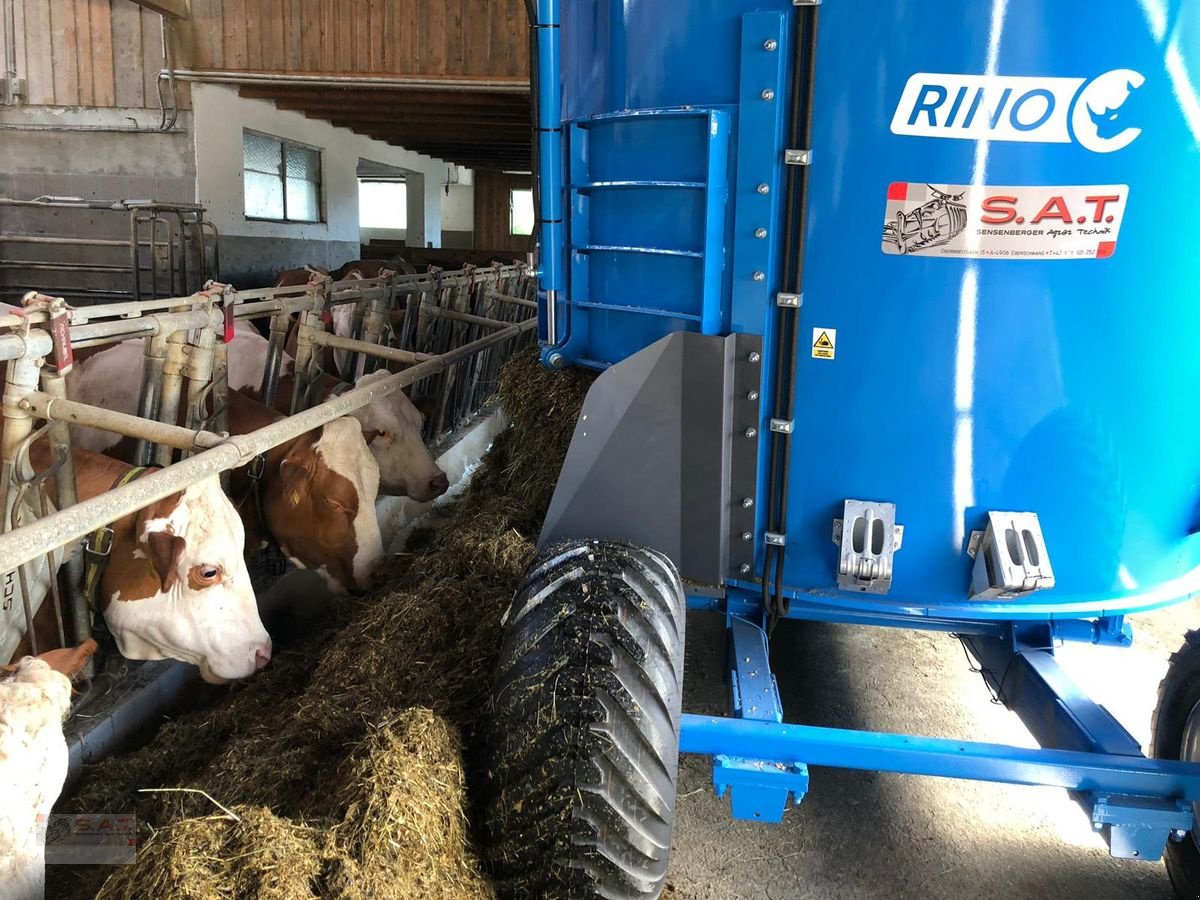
(988, 221)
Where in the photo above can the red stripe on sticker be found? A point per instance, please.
(1106, 249)
(898, 190)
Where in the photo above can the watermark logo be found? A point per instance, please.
(1099, 114)
(91, 839)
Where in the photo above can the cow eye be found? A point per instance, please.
(205, 575)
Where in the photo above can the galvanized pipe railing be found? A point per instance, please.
(27, 543)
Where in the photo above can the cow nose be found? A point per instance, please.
(262, 656)
(439, 484)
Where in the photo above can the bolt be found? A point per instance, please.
(557, 360)
(760, 233)
(747, 536)
(744, 568)
(753, 356)
(764, 188)
(768, 94)
(1180, 834)
(752, 396)
(759, 276)
(770, 44)
(747, 502)
(751, 432)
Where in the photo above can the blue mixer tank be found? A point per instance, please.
(1001, 298)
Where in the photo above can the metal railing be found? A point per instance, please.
(453, 331)
(171, 250)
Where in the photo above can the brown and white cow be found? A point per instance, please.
(315, 499)
(340, 317)
(175, 584)
(393, 423)
(35, 697)
(331, 527)
(373, 268)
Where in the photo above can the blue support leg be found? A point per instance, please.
(1024, 675)
(760, 789)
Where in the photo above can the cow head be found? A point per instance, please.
(392, 427)
(176, 586)
(320, 506)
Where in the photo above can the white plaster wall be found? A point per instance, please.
(458, 208)
(219, 117)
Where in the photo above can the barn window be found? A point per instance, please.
(520, 212)
(382, 203)
(282, 179)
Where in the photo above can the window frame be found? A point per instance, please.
(512, 208)
(284, 144)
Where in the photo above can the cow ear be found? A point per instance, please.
(165, 551)
(295, 473)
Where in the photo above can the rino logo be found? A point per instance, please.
(1092, 113)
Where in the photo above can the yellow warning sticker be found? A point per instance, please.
(824, 344)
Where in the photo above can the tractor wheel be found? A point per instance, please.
(583, 733)
(1176, 735)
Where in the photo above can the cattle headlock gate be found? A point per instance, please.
(447, 334)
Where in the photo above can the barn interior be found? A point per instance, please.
(302, 134)
(358, 188)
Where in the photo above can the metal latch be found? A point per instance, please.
(1011, 559)
(797, 157)
(869, 537)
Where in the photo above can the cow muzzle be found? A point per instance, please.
(433, 488)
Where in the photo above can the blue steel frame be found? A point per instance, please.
(1137, 803)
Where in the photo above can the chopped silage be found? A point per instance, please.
(343, 762)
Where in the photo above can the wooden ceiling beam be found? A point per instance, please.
(437, 131)
(429, 99)
(418, 117)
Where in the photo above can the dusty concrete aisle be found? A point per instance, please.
(870, 835)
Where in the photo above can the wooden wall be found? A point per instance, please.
(426, 38)
(89, 52)
(108, 53)
(492, 190)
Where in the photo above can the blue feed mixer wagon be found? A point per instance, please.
(897, 311)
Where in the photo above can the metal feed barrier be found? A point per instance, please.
(171, 249)
(454, 331)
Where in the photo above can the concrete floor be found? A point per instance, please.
(871, 835)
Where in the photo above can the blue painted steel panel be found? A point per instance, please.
(960, 385)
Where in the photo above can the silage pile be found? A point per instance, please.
(339, 771)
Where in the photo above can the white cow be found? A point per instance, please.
(35, 697)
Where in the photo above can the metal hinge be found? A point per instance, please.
(774, 539)
(782, 426)
(797, 157)
(869, 538)
(789, 300)
(1011, 559)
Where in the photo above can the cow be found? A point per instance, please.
(316, 495)
(315, 498)
(174, 584)
(299, 277)
(373, 268)
(393, 423)
(35, 697)
(339, 318)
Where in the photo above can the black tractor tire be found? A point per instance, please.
(582, 739)
(1178, 695)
